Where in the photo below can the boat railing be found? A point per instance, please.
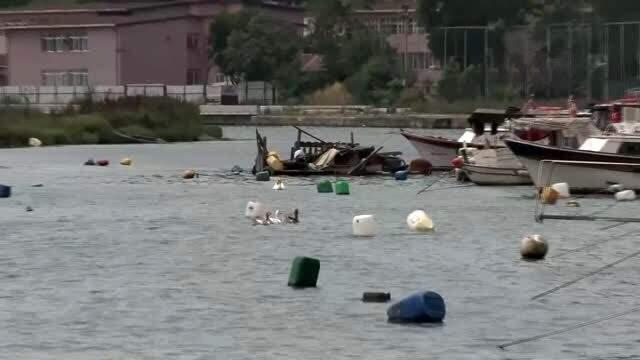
(545, 181)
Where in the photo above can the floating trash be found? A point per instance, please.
(401, 175)
(189, 174)
(549, 196)
(376, 297)
(562, 189)
(325, 186)
(625, 195)
(90, 162)
(304, 272)
(126, 162)
(342, 188)
(573, 203)
(424, 307)
(420, 166)
(533, 247)
(364, 226)
(5, 191)
(263, 176)
(35, 142)
(419, 221)
(102, 162)
(255, 210)
(28, 209)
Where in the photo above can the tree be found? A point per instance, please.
(262, 50)
(220, 30)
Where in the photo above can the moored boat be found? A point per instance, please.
(485, 133)
(600, 162)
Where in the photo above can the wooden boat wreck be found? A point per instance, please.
(321, 157)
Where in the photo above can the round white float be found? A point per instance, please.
(562, 189)
(625, 195)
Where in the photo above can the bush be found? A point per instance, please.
(165, 118)
(336, 94)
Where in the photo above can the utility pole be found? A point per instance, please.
(405, 9)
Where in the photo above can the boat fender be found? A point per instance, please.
(533, 247)
(457, 162)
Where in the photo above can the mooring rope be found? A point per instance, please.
(570, 328)
(568, 283)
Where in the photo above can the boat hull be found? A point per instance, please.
(437, 150)
(588, 171)
(485, 175)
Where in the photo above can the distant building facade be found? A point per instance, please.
(397, 21)
(118, 43)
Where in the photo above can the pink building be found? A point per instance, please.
(117, 43)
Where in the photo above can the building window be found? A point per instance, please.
(79, 77)
(193, 77)
(193, 41)
(219, 78)
(65, 42)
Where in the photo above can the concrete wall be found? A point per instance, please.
(26, 60)
(157, 52)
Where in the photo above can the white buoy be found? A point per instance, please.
(562, 189)
(255, 210)
(279, 185)
(625, 195)
(533, 247)
(35, 142)
(364, 225)
(615, 188)
(419, 221)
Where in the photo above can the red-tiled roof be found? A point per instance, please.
(312, 63)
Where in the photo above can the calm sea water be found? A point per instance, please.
(136, 263)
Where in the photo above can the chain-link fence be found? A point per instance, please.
(588, 61)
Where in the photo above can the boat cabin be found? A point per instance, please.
(623, 145)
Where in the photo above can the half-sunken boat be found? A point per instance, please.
(321, 157)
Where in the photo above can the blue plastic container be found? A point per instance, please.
(5, 191)
(401, 175)
(424, 307)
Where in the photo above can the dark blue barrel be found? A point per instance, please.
(425, 307)
(401, 175)
(5, 191)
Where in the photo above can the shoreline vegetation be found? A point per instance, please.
(90, 122)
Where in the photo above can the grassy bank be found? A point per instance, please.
(94, 123)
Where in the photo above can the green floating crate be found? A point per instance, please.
(263, 176)
(304, 272)
(325, 187)
(342, 188)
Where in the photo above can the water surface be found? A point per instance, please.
(137, 263)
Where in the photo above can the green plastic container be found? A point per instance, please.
(325, 187)
(342, 188)
(304, 272)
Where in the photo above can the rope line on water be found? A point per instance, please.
(445, 174)
(568, 283)
(595, 243)
(570, 328)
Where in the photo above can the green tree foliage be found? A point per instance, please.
(262, 50)
(220, 30)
